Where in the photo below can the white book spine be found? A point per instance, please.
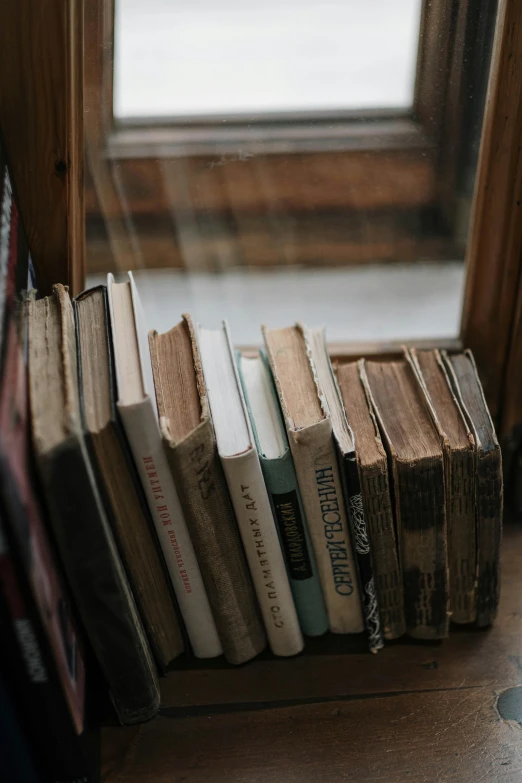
(263, 551)
(144, 438)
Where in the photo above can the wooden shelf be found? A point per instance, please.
(414, 712)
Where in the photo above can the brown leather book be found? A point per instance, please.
(190, 446)
(117, 478)
(488, 487)
(376, 498)
(417, 465)
(460, 483)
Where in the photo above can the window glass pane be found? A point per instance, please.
(285, 160)
(194, 57)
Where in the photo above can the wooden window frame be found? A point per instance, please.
(44, 151)
(346, 187)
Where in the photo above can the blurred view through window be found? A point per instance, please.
(275, 161)
(191, 57)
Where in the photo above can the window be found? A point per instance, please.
(252, 175)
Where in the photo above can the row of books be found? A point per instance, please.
(271, 482)
(195, 500)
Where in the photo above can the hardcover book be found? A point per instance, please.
(281, 482)
(190, 446)
(459, 483)
(82, 532)
(375, 497)
(137, 408)
(247, 489)
(488, 488)
(117, 478)
(310, 432)
(40, 651)
(343, 437)
(416, 456)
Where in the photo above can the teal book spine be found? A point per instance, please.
(281, 483)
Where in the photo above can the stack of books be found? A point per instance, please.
(196, 501)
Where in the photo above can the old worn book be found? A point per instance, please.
(488, 488)
(255, 519)
(459, 483)
(375, 497)
(83, 534)
(281, 482)
(416, 457)
(40, 652)
(190, 446)
(310, 432)
(117, 478)
(344, 440)
(137, 408)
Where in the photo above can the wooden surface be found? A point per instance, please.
(41, 119)
(418, 712)
(495, 246)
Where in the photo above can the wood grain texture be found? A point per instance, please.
(448, 737)
(495, 245)
(416, 711)
(41, 119)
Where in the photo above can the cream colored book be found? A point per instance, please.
(137, 408)
(238, 454)
(313, 447)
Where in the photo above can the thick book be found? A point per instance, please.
(137, 408)
(117, 478)
(310, 432)
(83, 535)
(459, 483)
(344, 440)
(255, 519)
(417, 465)
(40, 653)
(281, 482)
(488, 488)
(190, 446)
(375, 497)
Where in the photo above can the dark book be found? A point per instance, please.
(344, 439)
(117, 478)
(40, 651)
(375, 498)
(16, 760)
(458, 444)
(83, 535)
(417, 468)
(488, 486)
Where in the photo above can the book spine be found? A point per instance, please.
(489, 533)
(387, 571)
(34, 683)
(281, 484)
(462, 538)
(422, 514)
(98, 582)
(263, 550)
(363, 552)
(321, 491)
(146, 445)
(198, 474)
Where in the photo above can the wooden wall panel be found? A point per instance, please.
(41, 119)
